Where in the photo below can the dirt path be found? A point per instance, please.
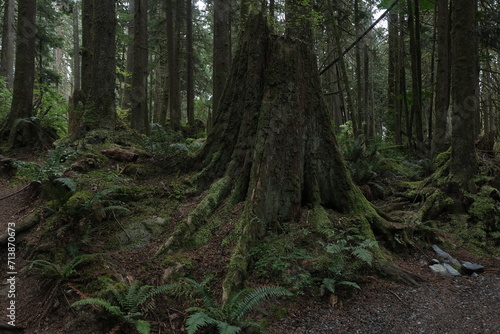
(453, 305)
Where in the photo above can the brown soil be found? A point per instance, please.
(437, 305)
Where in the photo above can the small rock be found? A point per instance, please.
(434, 261)
(451, 270)
(470, 268)
(439, 269)
(446, 257)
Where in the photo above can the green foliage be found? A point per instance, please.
(52, 168)
(51, 108)
(280, 258)
(163, 141)
(63, 273)
(330, 284)
(129, 304)
(363, 157)
(229, 317)
(5, 98)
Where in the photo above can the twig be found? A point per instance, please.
(401, 300)
(16, 192)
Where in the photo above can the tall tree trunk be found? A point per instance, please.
(173, 70)
(98, 68)
(8, 36)
(359, 101)
(126, 101)
(416, 71)
(77, 76)
(393, 75)
(19, 128)
(139, 115)
(221, 51)
(464, 86)
(439, 143)
(189, 64)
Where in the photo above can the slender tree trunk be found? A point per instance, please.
(173, 70)
(19, 128)
(77, 76)
(393, 75)
(140, 116)
(359, 101)
(415, 51)
(464, 86)
(8, 36)
(439, 143)
(126, 101)
(221, 51)
(189, 64)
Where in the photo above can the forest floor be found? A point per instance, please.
(439, 304)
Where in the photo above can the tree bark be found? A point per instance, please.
(174, 101)
(440, 130)
(416, 73)
(98, 69)
(126, 100)
(139, 106)
(189, 64)
(8, 36)
(465, 104)
(221, 51)
(20, 127)
(77, 77)
(392, 76)
(273, 147)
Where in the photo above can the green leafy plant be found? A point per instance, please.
(229, 317)
(58, 274)
(348, 250)
(62, 272)
(280, 258)
(128, 305)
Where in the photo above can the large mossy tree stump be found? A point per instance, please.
(273, 147)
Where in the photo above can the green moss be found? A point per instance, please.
(443, 158)
(129, 193)
(485, 206)
(76, 204)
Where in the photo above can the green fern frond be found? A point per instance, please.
(225, 328)
(363, 254)
(208, 299)
(51, 268)
(70, 183)
(69, 268)
(349, 283)
(328, 284)
(198, 320)
(106, 305)
(142, 326)
(256, 296)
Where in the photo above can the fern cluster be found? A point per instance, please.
(62, 272)
(229, 317)
(130, 304)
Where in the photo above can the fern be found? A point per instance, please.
(70, 183)
(331, 284)
(363, 254)
(127, 306)
(229, 317)
(252, 298)
(62, 272)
